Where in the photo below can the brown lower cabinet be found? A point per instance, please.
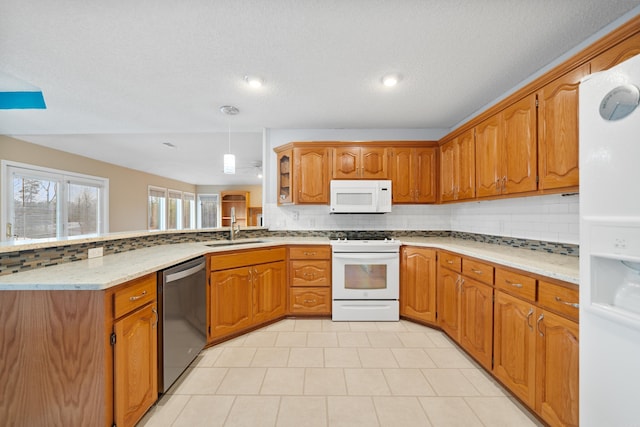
(79, 358)
(418, 283)
(310, 280)
(476, 320)
(246, 288)
(520, 327)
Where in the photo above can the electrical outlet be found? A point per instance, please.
(95, 252)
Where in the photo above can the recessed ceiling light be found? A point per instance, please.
(391, 80)
(254, 81)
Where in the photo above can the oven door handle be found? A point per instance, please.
(366, 256)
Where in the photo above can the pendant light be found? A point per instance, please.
(229, 162)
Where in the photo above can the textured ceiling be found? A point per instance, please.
(121, 77)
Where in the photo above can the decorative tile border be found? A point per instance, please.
(14, 262)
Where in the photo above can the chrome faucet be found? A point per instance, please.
(234, 229)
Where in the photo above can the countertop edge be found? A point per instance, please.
(106, 272)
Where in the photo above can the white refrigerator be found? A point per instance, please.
(610, 247)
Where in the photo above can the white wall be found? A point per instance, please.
(552, 218)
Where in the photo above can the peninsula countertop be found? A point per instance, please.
(111, 270)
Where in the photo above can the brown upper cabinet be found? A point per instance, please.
(457, 168)
(305, 169)
(413, 173)
(360, 163)
(624, 50)
(558, 131)
(506, 155)
(303, 175)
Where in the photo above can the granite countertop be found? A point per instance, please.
(111, 270)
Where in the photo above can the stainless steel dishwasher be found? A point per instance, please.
(182, 308)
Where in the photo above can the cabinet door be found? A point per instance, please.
(230, 301)
(269, 291)
(514, 345)
(285, 163)
(466, 166)
(520, 160)
(346, 162)
(448, 296)
(424, 175)
(616, 54)
(311, 175)
(476, 320)
(418, 284)
(558, 131)
(135, 365)
(447, 170)
(557, 370)
(488, 157)
(401, 175)
(373, 163)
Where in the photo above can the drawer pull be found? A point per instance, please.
(137, 297)
(515, 285)
(309, 301)
(477, 271)
(570, 304)
(449, 261)
(309, 253)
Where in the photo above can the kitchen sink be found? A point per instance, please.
(233, 243)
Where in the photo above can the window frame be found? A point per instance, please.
(63, 178)
(199, 210)
(190, 223)
(163, 212)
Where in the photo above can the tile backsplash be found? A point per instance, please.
(552, 218)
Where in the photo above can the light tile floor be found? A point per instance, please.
(311, 372)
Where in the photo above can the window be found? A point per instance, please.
(157, 208)
(188, 211)
(208, 210)
(42, 203)
(174, 210)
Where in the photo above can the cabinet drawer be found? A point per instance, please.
(478, 270)
(247, 257)
(311, 273)
(134, 294)
(450, 261)
(310, 252)
(516, 284)
(558, 298)
(310, 300)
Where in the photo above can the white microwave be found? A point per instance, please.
(360, 196)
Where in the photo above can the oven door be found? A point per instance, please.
(366, 276)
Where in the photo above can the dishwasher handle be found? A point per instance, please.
(184, 273)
